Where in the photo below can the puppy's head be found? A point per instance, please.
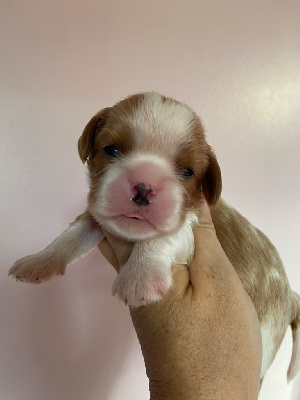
(149, 164)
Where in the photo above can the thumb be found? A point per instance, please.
(115, 250)
(209, 260)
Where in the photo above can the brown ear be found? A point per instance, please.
(212, 181)
(87, 139)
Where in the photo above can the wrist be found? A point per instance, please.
(226, 391)
(168, 391)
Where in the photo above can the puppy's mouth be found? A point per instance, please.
(135, 216)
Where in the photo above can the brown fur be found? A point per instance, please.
(256, 262)
(251, 253)
(112, 125)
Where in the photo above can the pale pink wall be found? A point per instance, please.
(236, 63)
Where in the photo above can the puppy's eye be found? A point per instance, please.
(187, 173)
(111, 151)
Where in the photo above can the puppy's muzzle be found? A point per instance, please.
(141, 198)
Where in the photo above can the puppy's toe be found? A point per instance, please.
(36, 268)
(162, 283)
(141, 289)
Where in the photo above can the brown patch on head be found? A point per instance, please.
(156, 124)
(109, 127)
(198, 156)
(192, 156)
(87, 139)
(212, 180)
(118, 130)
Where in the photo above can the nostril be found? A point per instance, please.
(142, 193)
(142, 188)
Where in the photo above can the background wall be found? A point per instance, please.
(236, 63)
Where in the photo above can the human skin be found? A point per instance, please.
(202, 341)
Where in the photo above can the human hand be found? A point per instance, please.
(202, 340)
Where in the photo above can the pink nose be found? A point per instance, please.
(142, 194)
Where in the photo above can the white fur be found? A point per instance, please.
(167, 122)
(294, 366)
(147, 274)
(268, 345)
(75, 242)
(131, 162)
(159, 127)
(134, 163)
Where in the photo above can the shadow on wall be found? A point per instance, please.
(68, 338)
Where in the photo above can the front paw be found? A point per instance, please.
(37, 268)
(141, 286)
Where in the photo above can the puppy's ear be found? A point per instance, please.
(212, 180)
(87, 139)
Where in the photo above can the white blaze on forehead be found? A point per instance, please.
(164, 120)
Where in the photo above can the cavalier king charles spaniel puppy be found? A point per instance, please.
(150, 167)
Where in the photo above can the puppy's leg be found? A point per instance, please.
(79, 239)
(294, 367)
(147, 275)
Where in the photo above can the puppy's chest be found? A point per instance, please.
(180, 245)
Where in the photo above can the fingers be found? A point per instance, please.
(209, 261)
(121, 247)
(204, 215)
(181, 280)
(115, 250)
(108, 252)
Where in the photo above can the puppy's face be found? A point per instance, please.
(149, 165)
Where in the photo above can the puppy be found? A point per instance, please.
(150, 166)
